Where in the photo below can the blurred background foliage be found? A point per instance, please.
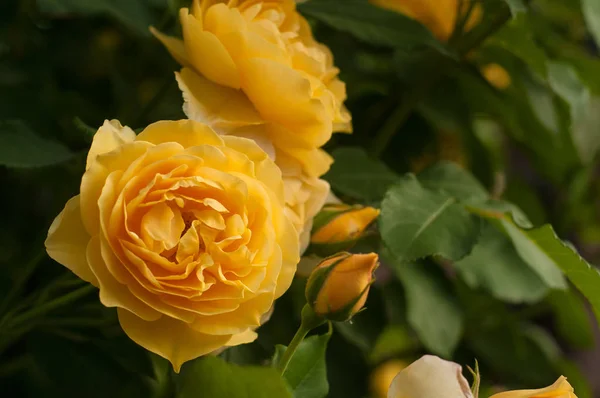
(514, 100)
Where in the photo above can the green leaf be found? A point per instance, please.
(21, 147)
(394, 340)
(495, 266)
(371, 24)
(591, 13)
(211, 377)
(431, 308)
(356, 174)
(539, 252)
(572, 321)
(453, 180)
(306, 373)
(416, 222)
(516, 37)
(516, 6)
(582, 107)
(132, 13)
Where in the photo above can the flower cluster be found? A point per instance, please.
(193, 228)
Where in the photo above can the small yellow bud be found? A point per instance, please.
(342, 224)
(381, 378)
(497, 76)
(338, 287)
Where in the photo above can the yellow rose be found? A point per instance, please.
(184, 231)
(430, 377)
(560, 389)
(338, 287)
(263, 51)
(438, 15)
(229, 112)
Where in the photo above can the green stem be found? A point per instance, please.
(51, 305)
(20, 283)
(470, 41)
(310, 320)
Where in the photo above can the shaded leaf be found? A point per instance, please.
(21, 147)
(431, 308)
(356, 174)
(572, 319)
(416, 222)
(132, 13)
(453, 180)
(370, 23)
(211, 377)
(591, 13)
(495, 266)
(306, 373)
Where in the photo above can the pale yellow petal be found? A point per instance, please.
(170, 338)
(430, 377)
(187, 133)
(67, 241)
(207, 54)
(108, 138)
(242, 338)
(218, 106)
(174, 46)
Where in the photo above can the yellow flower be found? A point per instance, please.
(496, 75)
(430, 377)
(184, 231)
(382, 377)
(438, 15)
(263, 51)
(343, 223)
(338, 287)
(560, 389)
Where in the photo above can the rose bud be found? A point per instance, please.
(338, 287)
(430, 377)
(339, 226)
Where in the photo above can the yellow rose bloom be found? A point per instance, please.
(438, 15)
(184, 231)
(497, 76)
(560, 389)
(264, 51)
(230, 112)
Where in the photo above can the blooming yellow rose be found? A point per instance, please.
(264, 51)
(438, 15)
(184, 231)
(430, 377)
(560, 389)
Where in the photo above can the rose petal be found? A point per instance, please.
(172, 339)
(67, 241)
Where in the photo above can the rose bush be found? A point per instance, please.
(252, 68)
(184, 231)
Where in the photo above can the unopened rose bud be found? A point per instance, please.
(338, 287)
(338, 226)
(430, 377)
